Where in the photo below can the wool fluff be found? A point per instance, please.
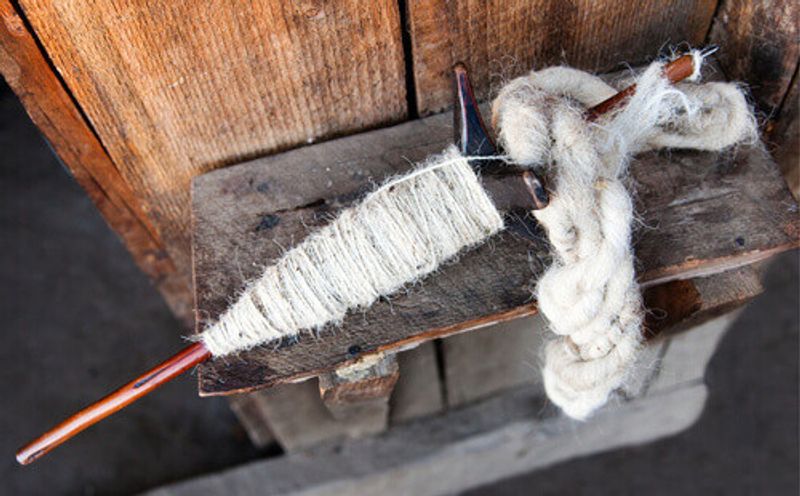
(589, 294)
(399, 233)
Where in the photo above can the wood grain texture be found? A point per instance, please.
(784, 136)
(49, 105)
(297, 418)
(502, 39)
(759, 40)
(177, 88)
(361, 395)
(418, 392)
(487, 361)
(701, 214)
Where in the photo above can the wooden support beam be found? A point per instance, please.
(487, 361)
(418, 392)
(760, 48)
(502, 40)
(362, 388)
(503, 436)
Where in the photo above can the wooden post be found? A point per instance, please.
(361, 391)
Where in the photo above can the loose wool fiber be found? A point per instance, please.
(398, 234)
(589, 294)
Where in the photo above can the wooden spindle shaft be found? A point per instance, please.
(676, 71)
(122, 397)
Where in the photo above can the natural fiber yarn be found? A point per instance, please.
(589, 294)
(399, 233)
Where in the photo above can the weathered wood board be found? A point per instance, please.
(785, 138)
(295, 416)
(361, 392)
(701, 214)
(503, 39)
(418, 392)
(176, 88)
(51, 108)
(759, 40)
(488, 361)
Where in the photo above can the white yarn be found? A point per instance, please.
(589, 294)
(399, 233)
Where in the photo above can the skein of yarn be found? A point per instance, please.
(589, 294)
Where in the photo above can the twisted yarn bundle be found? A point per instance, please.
(398, 234)
(589, 294)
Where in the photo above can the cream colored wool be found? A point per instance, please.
(398, 234)
(589, 294)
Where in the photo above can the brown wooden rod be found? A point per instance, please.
(676, 71)
(197, 353)
(119, 399)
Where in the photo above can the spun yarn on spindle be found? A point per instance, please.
(396, 235)
(589, 294)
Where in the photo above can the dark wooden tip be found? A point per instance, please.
(471, 136)
(119, 399)
(473, 139)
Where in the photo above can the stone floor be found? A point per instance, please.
(80, 319)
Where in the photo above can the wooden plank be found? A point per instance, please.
(297, 418)
(348, 390)
(418, 392)
(175, 89)
(686, 355)
(49, 105)
(704, 213)
(447, 454)
(760, 47)
(487, 361)
(500, 40)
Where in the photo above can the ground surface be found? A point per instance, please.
(79, 318)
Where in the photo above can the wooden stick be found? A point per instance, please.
(119, 399)
(676, 71)
(197, 353)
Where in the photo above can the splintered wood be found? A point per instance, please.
(701, 214)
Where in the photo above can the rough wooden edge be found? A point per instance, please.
(494, 439)
(50, 106)
(784, 136)
(398, 346)
(364, 381)
(695, 269)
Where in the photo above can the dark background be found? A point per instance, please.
(80, 319)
